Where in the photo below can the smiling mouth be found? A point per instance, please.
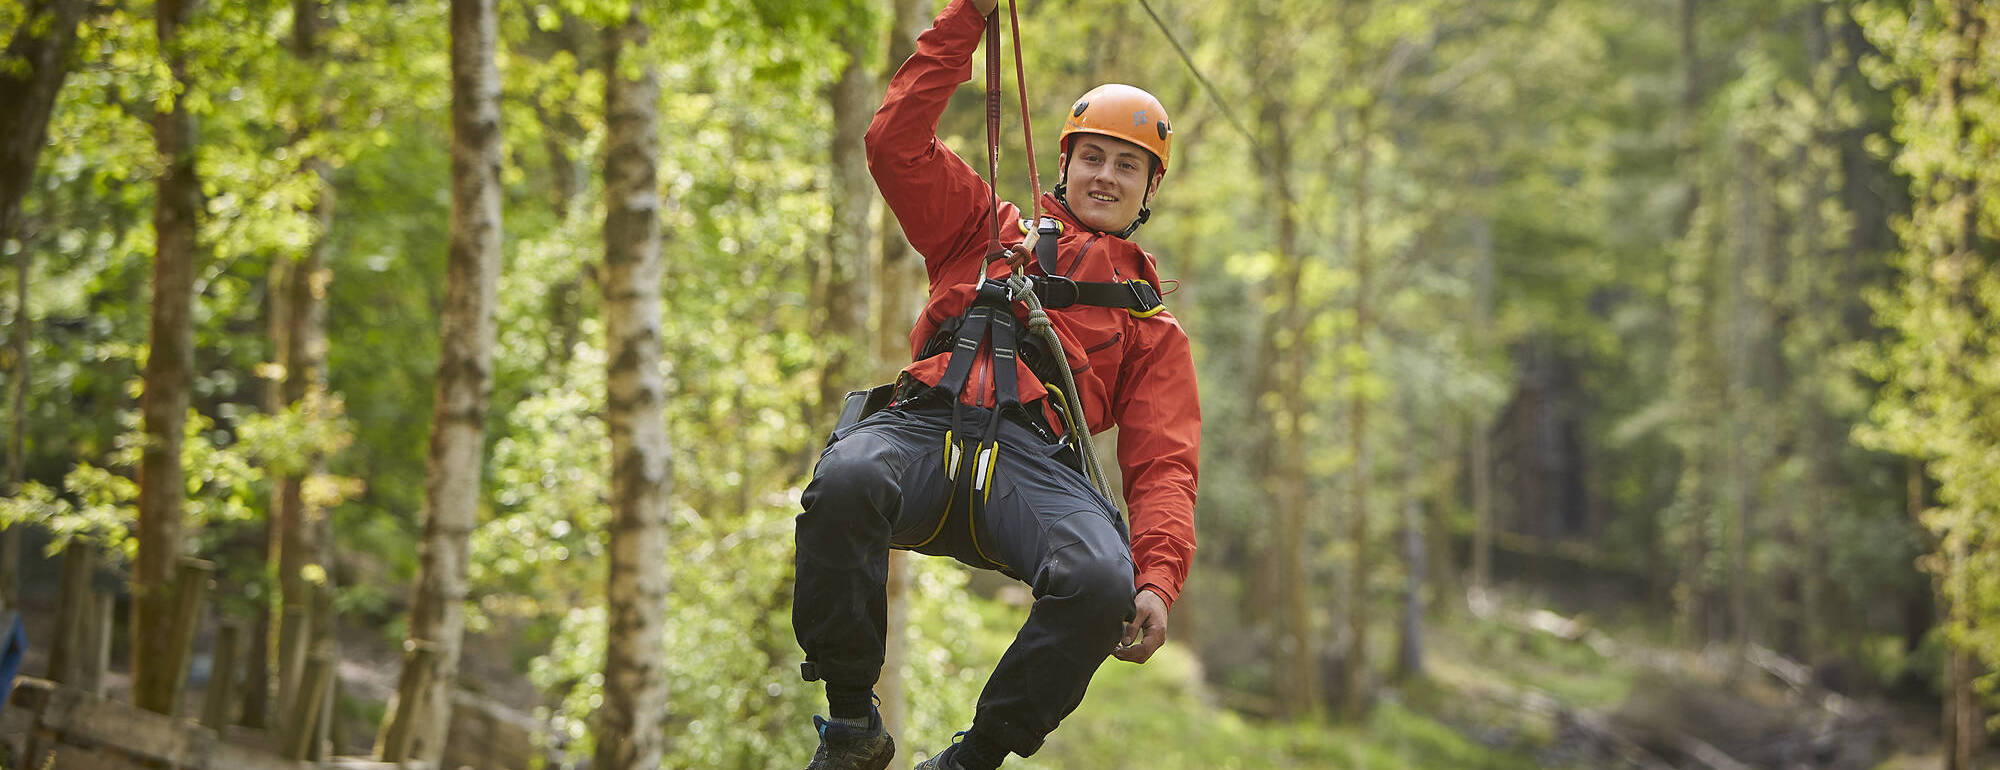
(1104, 197)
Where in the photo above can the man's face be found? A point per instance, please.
(1109, 180)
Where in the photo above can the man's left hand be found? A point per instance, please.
(1146, 632)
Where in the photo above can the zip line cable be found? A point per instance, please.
(1214, 95)
(1257, 151)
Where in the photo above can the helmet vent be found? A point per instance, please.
(1162, 127)
(1080, 107)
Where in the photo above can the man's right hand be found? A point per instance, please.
(985, 7)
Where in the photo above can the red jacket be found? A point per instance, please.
(1134, 373)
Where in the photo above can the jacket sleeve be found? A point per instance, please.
(941, 202)
(1159, 446)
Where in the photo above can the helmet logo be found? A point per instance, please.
(1139, 118)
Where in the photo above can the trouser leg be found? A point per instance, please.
(870, 481)
(1064, 540)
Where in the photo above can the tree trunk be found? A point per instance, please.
(1741, 475)
(40, 47)
(1695, 368)
(631, 732)
(1965, 728)
(465, 372)
(169, 365)
(27, 97)
(304, 550)
(1354, 676)
(897, 277)
(1410, 643)
(845, 265)
(1479, 435)
(1296, 669)
(257, 680)
(17, 444)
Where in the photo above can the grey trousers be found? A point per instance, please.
(882, 482)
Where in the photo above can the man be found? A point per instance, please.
(965, 461)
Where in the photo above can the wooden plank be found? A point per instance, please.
(192, 590)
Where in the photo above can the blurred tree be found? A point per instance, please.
(1938, 365)
(37, 60)
(635, 693)
(169, 364)
(464, 384)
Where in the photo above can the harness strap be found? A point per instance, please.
(1058, 291)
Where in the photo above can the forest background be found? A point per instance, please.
(1677, 320)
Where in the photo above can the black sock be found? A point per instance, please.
(978, 753)
(843, 703)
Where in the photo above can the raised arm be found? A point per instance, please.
(942, 203)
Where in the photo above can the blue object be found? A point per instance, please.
(12, 650)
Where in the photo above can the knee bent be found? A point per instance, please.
(1101, 582)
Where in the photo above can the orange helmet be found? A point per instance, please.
(1121, 112)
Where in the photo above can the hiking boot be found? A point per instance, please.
(943, 760)
(852, 748)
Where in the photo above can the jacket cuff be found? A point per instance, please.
(1159, 582)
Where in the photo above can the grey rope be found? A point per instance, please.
(1073, 422)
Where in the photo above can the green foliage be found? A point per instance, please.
(1940, 368)
(98, 504)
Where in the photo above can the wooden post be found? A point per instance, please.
(95, 642)
(221, 678)
(397, 734)
(292, 638)
(192, 590)
(72, 598)
(306, 711)
(335, 733)
(328, 645)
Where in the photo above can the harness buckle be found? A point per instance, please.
(1150, 303)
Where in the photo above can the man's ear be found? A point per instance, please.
(1062, 167)
(1154, 187)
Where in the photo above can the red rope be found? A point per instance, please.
(1027, 127)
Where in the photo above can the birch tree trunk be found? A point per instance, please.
(464, 383)
(163, 407)
(27, 97)
(631, 731)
